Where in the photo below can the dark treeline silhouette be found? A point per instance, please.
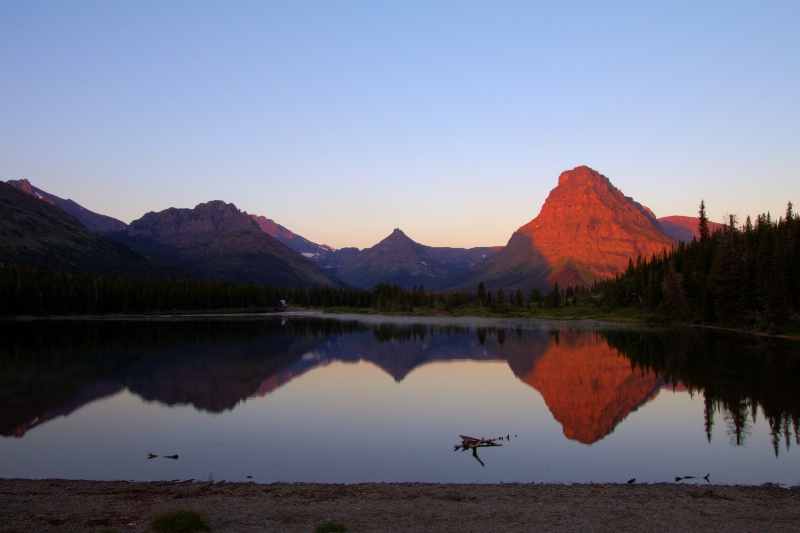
(39, 292)
(746, 276)
(737, 374)
(34, 291)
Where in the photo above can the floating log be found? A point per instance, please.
(468, 442)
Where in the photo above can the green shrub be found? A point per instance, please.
(183, 521)
(331, 526)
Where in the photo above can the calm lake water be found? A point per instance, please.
(298, 398)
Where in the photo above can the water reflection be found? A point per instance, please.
(738, 376)
(590, 379)
(589, 386)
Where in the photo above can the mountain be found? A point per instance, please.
(399, 260)
(37, 233)
(90, 220)
(685, 229)
(217, 241)
(322, 254)
(295, 242)
(586, 230)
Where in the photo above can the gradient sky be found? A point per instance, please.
(343, 120)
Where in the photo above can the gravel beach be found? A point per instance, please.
(66, 505)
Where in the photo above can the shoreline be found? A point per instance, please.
(72, 505)
(400, 318)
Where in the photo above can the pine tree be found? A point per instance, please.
(501, 298)
(480, 298)
(703, 223)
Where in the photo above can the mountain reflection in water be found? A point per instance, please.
(590, 377)
(589, 386)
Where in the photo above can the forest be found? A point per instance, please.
(744, 276)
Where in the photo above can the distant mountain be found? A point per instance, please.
(37, 233)
(322, 254)
(399, 260)
(295, 242)
(685, 229)
(586, 230)
(217, 241)
(90, 220)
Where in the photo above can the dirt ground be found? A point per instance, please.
(102, 506)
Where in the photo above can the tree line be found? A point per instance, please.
(36, 291)
(41, 292)
(746, 276)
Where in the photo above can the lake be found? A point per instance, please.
(348, 399)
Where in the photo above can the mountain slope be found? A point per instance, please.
(217, 241)
(399, 260)
(90, 220)
(685, 229)
(286, 236)
(586, 230)
(322, 254)
(37, 233)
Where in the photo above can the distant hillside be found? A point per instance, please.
(217, 241)
(295, 242)
(685, 229)
(399, 260)
(37, 233)
(90, 220)
(322, 254)
(587, 230)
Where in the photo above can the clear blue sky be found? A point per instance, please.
(343, 120)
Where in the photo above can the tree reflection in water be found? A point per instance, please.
(737, 374)
(591, 376)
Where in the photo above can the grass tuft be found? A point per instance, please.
(182, 521)
(331, 526)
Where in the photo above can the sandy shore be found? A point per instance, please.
(62, 505)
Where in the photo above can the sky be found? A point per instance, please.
(451, 120)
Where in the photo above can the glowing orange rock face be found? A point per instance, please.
(588, 386)
(587, 229)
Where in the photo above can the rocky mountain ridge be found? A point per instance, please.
(215, 240)
(397, 259)
(322, 254)
(92, 221)
(38, 233)
(586, 230)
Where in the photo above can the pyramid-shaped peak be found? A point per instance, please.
(581, 174)
(397, 235)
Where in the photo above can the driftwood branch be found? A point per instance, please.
(471, 443)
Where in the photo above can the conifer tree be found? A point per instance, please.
(480, 299)
(703, 223)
